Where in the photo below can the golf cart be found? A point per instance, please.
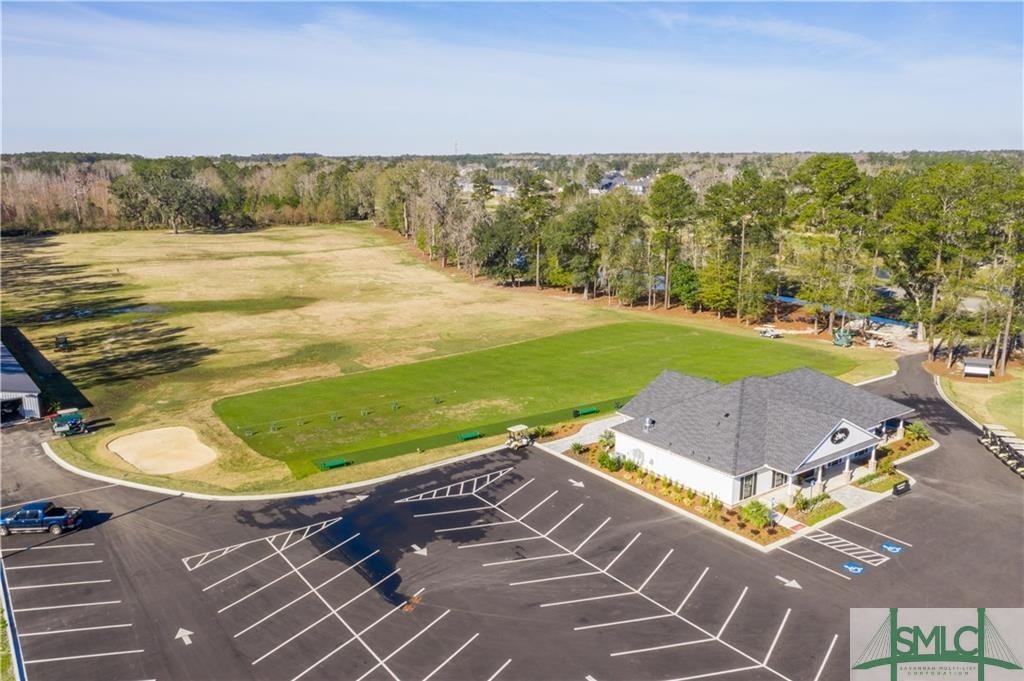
(518, 437)
(770, 332)
(68, 422)
(842, 337)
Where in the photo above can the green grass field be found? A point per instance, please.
(386, 412)
(986, 402)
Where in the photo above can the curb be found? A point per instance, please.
(938, 389)
(686, 514)
(11, 629)
(260, 497)
(878, 378)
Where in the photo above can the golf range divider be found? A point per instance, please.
(305, 467)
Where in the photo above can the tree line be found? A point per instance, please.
(930, 238)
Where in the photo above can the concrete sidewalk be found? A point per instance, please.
(590, 432)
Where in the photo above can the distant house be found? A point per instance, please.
(756, 436)
(465, 184)
(610, 180)
(503, 189)
(639, 186)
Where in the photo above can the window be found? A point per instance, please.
(748, 486)
(779, 479)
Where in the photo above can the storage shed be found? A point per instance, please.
(18, 392)
(979, 366)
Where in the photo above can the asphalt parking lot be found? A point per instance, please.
(505, 566)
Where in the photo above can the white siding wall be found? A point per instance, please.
(30, 407)
(678, 468)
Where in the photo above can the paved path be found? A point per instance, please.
(591, 432)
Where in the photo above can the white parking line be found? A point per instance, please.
(493, 676)
(733, 612)
(473, 527)
(402, 647)
(664, 647)
(268, 557)
(514, 492)
(797, 555)
(476, 484)
(500, 541)
(287, 574)
(591, 535)
(777, 635)
(899, 541)
(555, 579)
(449, 658)
(209, 556)
(624, 549)
(539, 504)
(585, 600)
(48, 565)
(366, 646)
(692, 589)
(49, 586)
(653, 572)
(523, 560)
(845, 547)
(51, 546)
(71, 631)
(721, 673)
(618, 622)
(353, 638)
(457, 510)
(84, 657)
(330, 614)
(69, 605)
(824, 661)
(559, 523)
(60, 496)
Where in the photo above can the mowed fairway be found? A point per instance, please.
(376, 414)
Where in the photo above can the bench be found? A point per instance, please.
(332, 463)
(584, 411)
(469, 435)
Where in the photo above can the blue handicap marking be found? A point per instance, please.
(891, 548)
(853, 568)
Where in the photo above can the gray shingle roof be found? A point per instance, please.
(744, 425)
(13, 378)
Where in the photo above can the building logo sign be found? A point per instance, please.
(840, 435)
(936, 643)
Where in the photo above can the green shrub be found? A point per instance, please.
(800, 502)
(691, 494)
(609, 462)
(885, 466)
(916, 431)
(781, 508)
(757, 514)
(577, 448)
(607, 440)
(716, 504)
(630, 466)
(540, 431)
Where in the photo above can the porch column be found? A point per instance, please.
(873, 463)
(899, 431)
(819, 481)
(847, 473)
(790, 491)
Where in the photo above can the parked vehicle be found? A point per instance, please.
(41, 516)
(770, 332)
(69, 422)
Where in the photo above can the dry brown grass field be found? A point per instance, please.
(163, 325)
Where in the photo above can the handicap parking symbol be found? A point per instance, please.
(891, 548)
(853, 568)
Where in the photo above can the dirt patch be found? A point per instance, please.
(563, 430)
(469, 410)
(956, 373)
(163, 450)
(377, 359)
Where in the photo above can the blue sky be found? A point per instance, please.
(392, 78)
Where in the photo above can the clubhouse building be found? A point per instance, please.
(756, 436)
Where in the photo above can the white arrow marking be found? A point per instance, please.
(416, 549)
(575, 483)
(791, 583)
(185, 635)
(359, 497)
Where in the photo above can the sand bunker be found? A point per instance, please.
(163, 450)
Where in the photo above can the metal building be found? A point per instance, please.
(19, 395)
